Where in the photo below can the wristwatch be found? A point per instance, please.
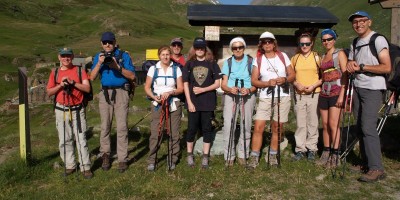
(362, 67)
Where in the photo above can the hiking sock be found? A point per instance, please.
(255, 153)
(326, 149)
(273, 152)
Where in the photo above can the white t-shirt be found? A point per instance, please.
(165, 81)
(364, 56)
(272, 68)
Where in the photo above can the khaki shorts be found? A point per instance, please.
(264, 109)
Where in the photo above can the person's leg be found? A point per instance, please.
(244, 141)
(174, 134)
(312, 123)
(121, 108)
(65, 146)
(106, 117)
(301, 132)
(334, 126)
(230, 108)
(81, 142)
(357, 112)
(154, 139)
(207, 131)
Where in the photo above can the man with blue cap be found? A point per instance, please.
(116, 71)
(369, 86)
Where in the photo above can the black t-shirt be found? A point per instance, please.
(202, 74)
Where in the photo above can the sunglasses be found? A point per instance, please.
(267, 41)
(107, 42)
(305, 43)
(327, 39)
(176, 45)
(237, 48)
(66, 56)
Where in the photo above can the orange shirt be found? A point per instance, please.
(76, 96)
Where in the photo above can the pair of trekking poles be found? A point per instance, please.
(238, 100)
(164, 127)
(67, 92)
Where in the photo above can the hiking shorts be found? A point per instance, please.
(264, 109)
(325, 103)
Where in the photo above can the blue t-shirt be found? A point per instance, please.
(239, 70)
(112, 77)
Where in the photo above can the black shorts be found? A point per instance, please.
(325, 103)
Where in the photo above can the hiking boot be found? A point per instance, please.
(311, 155)
(122, 167)
(372, 176)
(242, 162)
(190, 160)
(333, 162)
(362, 169)
(204, 162)
(229, 163)
(273, 161)
(69, 172)
(253, 162)
(323, 159)
(172, 167)
(87, 174)
(151, 167)
(106, 162)
(298, 156)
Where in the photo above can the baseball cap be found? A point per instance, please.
(108, 36)
(176, 40)
(199, 42)
(359, 13)
(266, 35)
(65, 51)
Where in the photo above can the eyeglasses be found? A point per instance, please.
(267, 41)
(176, 45)
(327, 39)
(361, 21)
(237, 48)
(107, 42)
(301, 44)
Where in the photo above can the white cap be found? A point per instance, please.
(237, 39)
(267, 34)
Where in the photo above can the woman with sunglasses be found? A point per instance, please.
(201, 78)
(306, 65)
(331, 96)
(239, 96)
(271, 73)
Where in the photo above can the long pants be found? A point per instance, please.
(195, 119)
(231, 103)
(306, 134)
(366, 107)
(119, 108)
(63, 124)
(155, 139)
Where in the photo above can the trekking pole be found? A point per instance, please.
(160, 130)
(140, 120)
(71, 125)
(168, 131)
(65, 151)
(243, 115)
(279, 128)
(340, 143)
(387, 107)
(271, 90)
(232, 129)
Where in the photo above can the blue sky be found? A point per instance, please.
(236, 2)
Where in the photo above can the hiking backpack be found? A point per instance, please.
(86, 96)
(132, 83)
(393, 78)
(249, 64)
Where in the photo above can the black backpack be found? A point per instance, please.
(392, 79)
(86, 96)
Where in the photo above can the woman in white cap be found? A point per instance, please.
(239, 95)
(271, 73)
(306, 64)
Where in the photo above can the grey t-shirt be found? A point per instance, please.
(364, 56)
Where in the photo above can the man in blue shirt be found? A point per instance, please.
(116, 69)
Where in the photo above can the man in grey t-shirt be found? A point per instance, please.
(369, 85)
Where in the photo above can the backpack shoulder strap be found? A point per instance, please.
(354, 48)
(259, 58)
(280, 55)
(229, 66)
(155, 76)
(372, 46)
(249, 63)
(55, 75)
(80, 73)
(295, 61)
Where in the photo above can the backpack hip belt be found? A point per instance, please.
(329, 86)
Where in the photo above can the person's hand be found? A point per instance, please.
(339, 102)
(234, 90)
(157, 99)
(191, 107)
(300, 87)
(244, 91)
(280, 80)
(198, 90)
(272, 82)
(101, 58)
(352, 67)
(65, 81)
(165, 96)
(309, 89)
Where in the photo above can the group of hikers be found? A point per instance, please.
(176, 81)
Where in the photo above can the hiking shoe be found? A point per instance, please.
(362, 169)
(298, 156)
(372, 176)
(273, 161)
(229, 163)
(87, 174)
(204, 162)
(122, 167)
(172, 167)
(333, 162)
(311, 155)
(242, 162)
(69, 172)
(323, 159)
(151, 167)
(253, 162)
(106, 162)
(190, 160)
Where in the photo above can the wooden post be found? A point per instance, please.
(395, 26)
(24, 128)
